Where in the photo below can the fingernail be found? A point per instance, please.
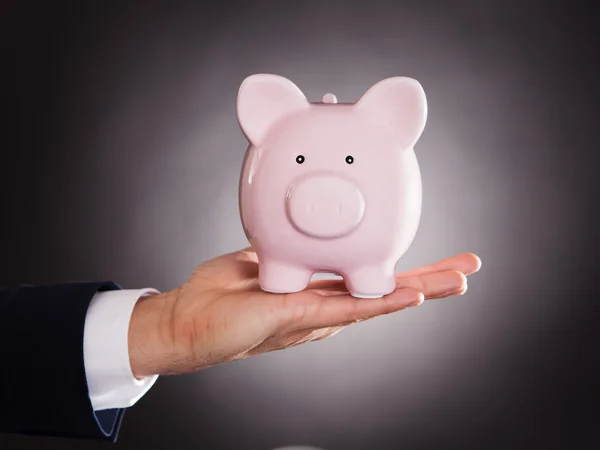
(462, 290)
(459, 291)
(418, 301)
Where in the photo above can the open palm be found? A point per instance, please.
(220, 314)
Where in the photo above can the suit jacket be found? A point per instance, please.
(43, 387)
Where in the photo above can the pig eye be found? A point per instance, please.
(349, 159)
(299, 159)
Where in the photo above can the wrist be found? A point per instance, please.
(150, 342)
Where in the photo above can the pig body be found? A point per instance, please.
(329, 187)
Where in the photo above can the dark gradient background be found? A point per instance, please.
(121, 156)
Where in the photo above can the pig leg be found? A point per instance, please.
(282, 278)
(371, 281)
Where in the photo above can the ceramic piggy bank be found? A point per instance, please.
(328, 187)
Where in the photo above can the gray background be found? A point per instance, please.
(121, 157)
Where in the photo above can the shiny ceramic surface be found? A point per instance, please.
(330, 187)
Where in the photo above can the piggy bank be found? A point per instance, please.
(330, 187)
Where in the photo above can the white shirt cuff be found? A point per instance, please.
(111, 382)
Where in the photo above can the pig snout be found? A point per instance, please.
(325, 205)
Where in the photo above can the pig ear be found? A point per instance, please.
(400, 103)
(262, 100)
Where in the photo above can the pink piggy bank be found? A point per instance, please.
(328, 187)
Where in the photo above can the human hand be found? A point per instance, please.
(220, 314)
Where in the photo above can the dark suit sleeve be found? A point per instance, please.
(43, 387)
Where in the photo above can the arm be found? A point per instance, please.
(111, 382)
(43, 383)
(48, 342)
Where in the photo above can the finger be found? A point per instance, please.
(436, 285)
(309, 337)
(288, 340)
(315, 311)
(245, 264)
(318, 334)
(432, 285)
(331, 332)
(302, 337)
(231, 269)
(466, 263)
